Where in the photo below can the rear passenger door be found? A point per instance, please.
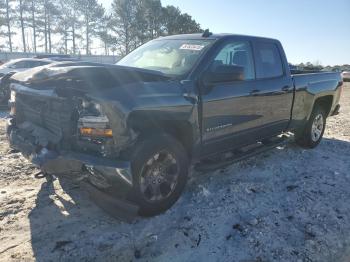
(273, 87)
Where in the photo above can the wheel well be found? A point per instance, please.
(180, 130)
(325, 102)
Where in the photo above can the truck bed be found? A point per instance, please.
(310, 86)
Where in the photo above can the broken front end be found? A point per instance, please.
(70, 135)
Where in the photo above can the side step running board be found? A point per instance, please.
(241, 154)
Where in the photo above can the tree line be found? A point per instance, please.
(317, 66)
(72, 26)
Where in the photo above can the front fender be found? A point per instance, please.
(123, 136)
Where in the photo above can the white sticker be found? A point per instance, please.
(192, 47)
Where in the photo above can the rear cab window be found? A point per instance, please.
(268, 62)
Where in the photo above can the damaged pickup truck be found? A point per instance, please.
(134, 129)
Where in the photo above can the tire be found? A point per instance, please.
(313, 132)
(149, 163)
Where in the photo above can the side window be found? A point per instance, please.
(237, 53)
(27, 64)
(20, 64)
(268, 61)
(35, 64)
(42, 63)
(30, 64)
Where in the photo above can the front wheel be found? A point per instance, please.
(313, 132)
(160, 168)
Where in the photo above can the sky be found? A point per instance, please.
(310, 30)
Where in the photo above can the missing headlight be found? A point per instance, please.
(94, 126)
(90, 108)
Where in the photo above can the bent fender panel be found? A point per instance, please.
(123, 136)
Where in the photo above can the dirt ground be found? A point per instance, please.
(288, 204)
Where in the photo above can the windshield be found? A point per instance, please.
(171, 57)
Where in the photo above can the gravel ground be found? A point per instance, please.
(288, 204)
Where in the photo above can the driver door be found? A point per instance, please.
(231, 113)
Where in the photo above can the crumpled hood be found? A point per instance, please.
(84, 77)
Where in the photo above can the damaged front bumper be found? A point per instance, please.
(97, 174)
(101, 172)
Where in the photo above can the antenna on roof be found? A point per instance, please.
(206, 33)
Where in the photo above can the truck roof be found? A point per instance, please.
(215, 36)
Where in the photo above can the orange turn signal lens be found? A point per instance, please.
(98, 132)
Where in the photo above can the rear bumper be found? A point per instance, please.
(101, 172)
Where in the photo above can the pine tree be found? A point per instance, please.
(7, 20)
(47, 12)
(123, 24)
(92, 14)
(2, 18)
(135, 22)
(71, 14)
(175, 22)
(105, 35)
(68, 24)
(52, 12)
(32, 22)
(132, 23)
(23, 9)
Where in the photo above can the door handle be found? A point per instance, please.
(191, 97)
(286, 88)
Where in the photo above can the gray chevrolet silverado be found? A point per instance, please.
(132, 130)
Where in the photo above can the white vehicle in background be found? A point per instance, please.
(346, 75)
(22, 64)
(14, 66)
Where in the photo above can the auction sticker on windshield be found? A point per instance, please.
(192, 47)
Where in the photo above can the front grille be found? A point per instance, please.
(52, 114)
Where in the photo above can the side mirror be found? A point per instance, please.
(224, 73)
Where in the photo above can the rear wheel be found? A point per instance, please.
(160, 168)
(313, 132)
